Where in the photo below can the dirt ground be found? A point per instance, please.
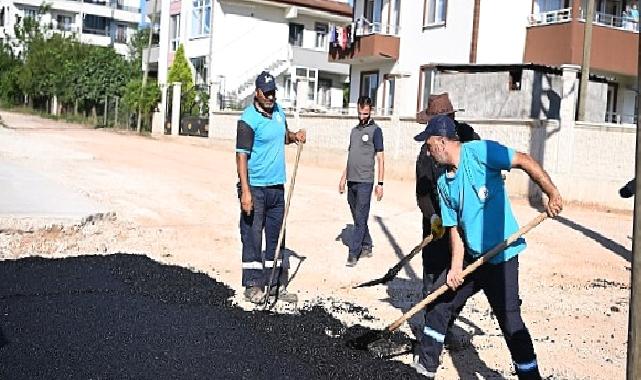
(175, 201)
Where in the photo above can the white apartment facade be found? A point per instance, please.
(97, 22)
(400, 43)
(229, 42)
(399, 39)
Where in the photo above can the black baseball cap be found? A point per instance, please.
(441, 125)
(266, 82)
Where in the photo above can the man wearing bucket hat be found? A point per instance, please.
(436, 255)
(476, 209)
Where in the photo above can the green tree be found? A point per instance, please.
(180, 72)
(147, 102)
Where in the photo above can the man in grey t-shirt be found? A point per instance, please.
(365, 143)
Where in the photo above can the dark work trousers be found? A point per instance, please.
(359, 196)
(500, 283)
(267, 215)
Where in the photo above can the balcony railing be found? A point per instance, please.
(550, 17)
(614, 21)
(98, 32)
(364, 27)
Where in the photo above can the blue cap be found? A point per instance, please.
(441, 125)
(266, 82)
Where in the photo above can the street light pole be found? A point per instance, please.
(585, 66)
(146, 70)
(634, 325)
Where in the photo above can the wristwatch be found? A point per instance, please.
(380, 183)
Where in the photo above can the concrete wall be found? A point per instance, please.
(601, 158)
(488, 95)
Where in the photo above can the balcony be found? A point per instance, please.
(556, 38)
(317, 59)
(374, 42)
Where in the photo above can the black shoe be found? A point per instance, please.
(366, 252)
(352, 260)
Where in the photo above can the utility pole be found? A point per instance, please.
(634, 325)
(585, 67)
(146, 71)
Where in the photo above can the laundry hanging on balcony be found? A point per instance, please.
(341, 36)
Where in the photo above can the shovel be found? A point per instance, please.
(282, 227)
(393, 271)
(362, 342)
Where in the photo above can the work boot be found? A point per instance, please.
(254, 294)
(418, 367)
(352, 260)
(282, 294)
(366, 252)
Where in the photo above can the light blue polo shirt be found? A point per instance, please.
(474, 198)
(266, 160)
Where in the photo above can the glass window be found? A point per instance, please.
(426, 79)
(200, 66)
(435, 12)
(369, 85)
(321, 35)
(174, 32)
(201, 18)
(296, 34)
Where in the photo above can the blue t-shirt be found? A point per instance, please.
(266, 157)
(474, 198)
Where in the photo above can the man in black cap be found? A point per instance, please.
(436, 255)
(260, 161)
(476, 210)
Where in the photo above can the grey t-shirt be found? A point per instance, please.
(364, 142)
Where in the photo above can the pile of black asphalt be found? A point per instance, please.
(127, 316)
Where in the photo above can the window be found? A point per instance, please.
(121, 34)
(174, 32)
(321, 35)
(63, 22)
(31, 13)
(200, 18)
(296, 34)
(391, 88)
(324, 92)
(95, 25)
(369, 85)
(427, 82)
(200, 66)
(435, 12)
(372, 10)
(287, 88)
(515, 80)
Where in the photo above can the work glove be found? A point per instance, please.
(437, 226)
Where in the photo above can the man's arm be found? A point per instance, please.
(343, 181)
(245, 194)
(380, 160)
(454, 275)
(294, 137)
(525, 162)
(244, 145)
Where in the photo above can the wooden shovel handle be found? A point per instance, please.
(470, 268)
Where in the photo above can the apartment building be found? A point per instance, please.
(555, 36)
(403, 47)
(229, 42)
(98, 22)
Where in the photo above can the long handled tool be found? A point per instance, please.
(282, 227)
(366, 339)
(393, 271)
